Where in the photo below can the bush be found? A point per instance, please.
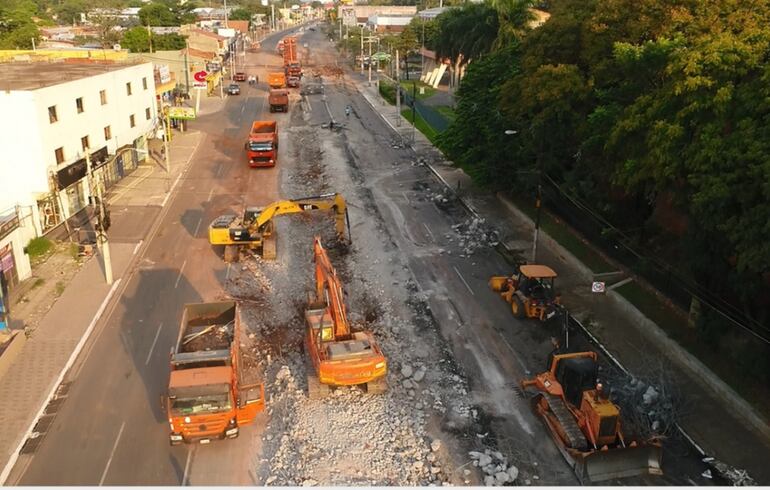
(38, 247)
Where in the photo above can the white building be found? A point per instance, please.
(53, 112)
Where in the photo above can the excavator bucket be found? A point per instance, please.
(497, 283)
(619, 463)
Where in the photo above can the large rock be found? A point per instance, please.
(435, 445)
(484, 460)
(489, 481)
(419, 375)
(502, 477)
(309, 483)
(406, 370)
(513, 473)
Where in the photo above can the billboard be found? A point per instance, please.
(186, 113)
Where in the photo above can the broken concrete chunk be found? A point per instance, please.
(435, 445)
(484, 460)
(406, 371)
(419, 375)
(489, 481)
(513, 473)
(502, 477)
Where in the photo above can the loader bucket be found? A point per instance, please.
(619, 463)
(497, 283)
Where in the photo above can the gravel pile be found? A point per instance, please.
(497, 472)
(472, 235)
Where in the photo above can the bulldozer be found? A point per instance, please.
(339, 355)
(254, 229)
(586, 424)
(530, 292)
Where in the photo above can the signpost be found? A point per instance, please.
(199, 84)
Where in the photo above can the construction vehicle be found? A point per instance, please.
(292, 81)
(340, 356)
(530, 292)
(255, 231)
(278, 99)
(262, 145)
(291, 65)
(585, 424)
(276, 80)
(211, 392)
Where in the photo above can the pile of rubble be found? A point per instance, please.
(734, 476)
(473, 234)
(497, 471)
(650, 409)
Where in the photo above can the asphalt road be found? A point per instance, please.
(111, 429)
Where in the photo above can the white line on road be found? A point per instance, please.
(175, 182)
(219, 170)
(429, 232)
(242, 109)
(227, 274)
(463, 280)
(211, 193)
(187, 467)
(165, 200)
(197, 227)
(14, 457)
(157, 334)
(180, 274)
(137, 247)
(406, 197)
(112, 453)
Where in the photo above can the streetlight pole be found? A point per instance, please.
(538, 199)
(101, 232)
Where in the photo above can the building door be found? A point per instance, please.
(8, 266)
(76, 197)
(119, 163)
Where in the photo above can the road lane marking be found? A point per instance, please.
(157, 334)
(198, 226)
(136, 249)
(227, 274)
(176, 284)
(429, 232)
(211, 193)
(463, 280)
(242, 109)
(112, 454)
(14, 457)
(219, 170)
(187, 468)
(406, 197)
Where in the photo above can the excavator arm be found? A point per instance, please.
(329, 287)
(323, 202)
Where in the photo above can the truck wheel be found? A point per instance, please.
(231, 253)
(517, 307)
(377, 387)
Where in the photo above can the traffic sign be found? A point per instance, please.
(199, 85)
(597, 287)
(200, 76)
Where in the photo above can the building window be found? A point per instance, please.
(79, 104)
(103, 96)
(128, 88)
(84, 143)
(147, 113)
(132, 121)
(59, 155)
(144, 83)
(52, 117)
(107, 133)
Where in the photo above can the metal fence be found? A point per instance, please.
(435, 119)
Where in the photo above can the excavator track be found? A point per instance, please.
(558, 408)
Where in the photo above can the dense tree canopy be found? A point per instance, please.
(655, 112)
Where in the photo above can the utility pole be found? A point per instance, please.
(398, 92)
(225, 14)
(166, 136)
(272, 17)
(538, 205)
(362, 51)
(186, 68)
(369, 40)
(102, 222)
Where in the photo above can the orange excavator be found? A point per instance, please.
(585, 424)
(340, 357)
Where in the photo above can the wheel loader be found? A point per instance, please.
(530, 292)
(585, 424)
(254, 230)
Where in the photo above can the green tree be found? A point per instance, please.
(17, 29)
(168, 42)
(240, 14)
(69, 11)
(158, 14)
(137, 40)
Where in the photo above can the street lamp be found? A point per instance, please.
(539, 199)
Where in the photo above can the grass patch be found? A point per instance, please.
(446, 111)
(74, 250)
(38, 282)
(565, 237)
(60, 287)
(653, 308)
(38, 247)
(408, 85)
(421, 125)
(388, 92)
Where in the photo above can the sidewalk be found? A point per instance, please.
(721, 422)
(38, 368)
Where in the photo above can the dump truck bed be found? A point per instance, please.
(206, 328)
(263, 127)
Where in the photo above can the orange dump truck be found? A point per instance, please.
(276, 80)
(278, 100)
(262, 147)
(211, 393)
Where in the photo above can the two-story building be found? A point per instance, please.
(53, 114)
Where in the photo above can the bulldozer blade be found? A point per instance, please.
(619, 463)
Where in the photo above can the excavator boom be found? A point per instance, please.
(328, 282)
(303, 204)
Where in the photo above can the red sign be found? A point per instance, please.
(200, 76)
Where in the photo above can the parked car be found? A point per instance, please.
(234, 89)
(240, 76)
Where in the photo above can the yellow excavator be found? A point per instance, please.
(254, 230)
(585, 424)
